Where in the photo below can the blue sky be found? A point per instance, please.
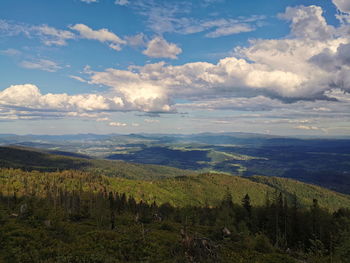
(106, 66)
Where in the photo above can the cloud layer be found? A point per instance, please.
(312, 61)
(305, 72)
(172, 17)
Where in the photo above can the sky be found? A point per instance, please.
(149, 66)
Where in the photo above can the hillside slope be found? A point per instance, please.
(210, 189)
(305, 192)
(33, 159)
(152, 182)
(192, 190)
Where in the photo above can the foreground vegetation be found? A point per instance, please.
(72, 216)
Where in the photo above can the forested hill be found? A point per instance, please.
(181, 191)
(29, 159)
(154, 182)
(86, 212)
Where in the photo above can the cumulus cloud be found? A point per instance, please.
(304, 68)
(337, 63)
(29, 96)
(308, 22)
(307, 71)
(229, 77)
(158, 47)
(140, 94)
(102, 35)
(301, 67)
(41, 64)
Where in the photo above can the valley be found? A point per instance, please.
(324, 162)
(57, 206)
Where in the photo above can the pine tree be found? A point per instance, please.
(112, 209)
(247, 206)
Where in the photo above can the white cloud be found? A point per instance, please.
(339, 95)
(304, 127)
(301, 75)
(172, 16)
(322, 109)
(121, 2)
(29, 96)
(286, 69)
(80, 79)
(137, 40)
(83, 114)
(137, 93)
(103, 119)
(230, 30)
(158, 47)
(117, 124)
(52, 36)
(89, 1)
(308, 22)
(220, 27)
(202, 79)
(342, 5)
(102, 35)
(41, 64)
(48, 35)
